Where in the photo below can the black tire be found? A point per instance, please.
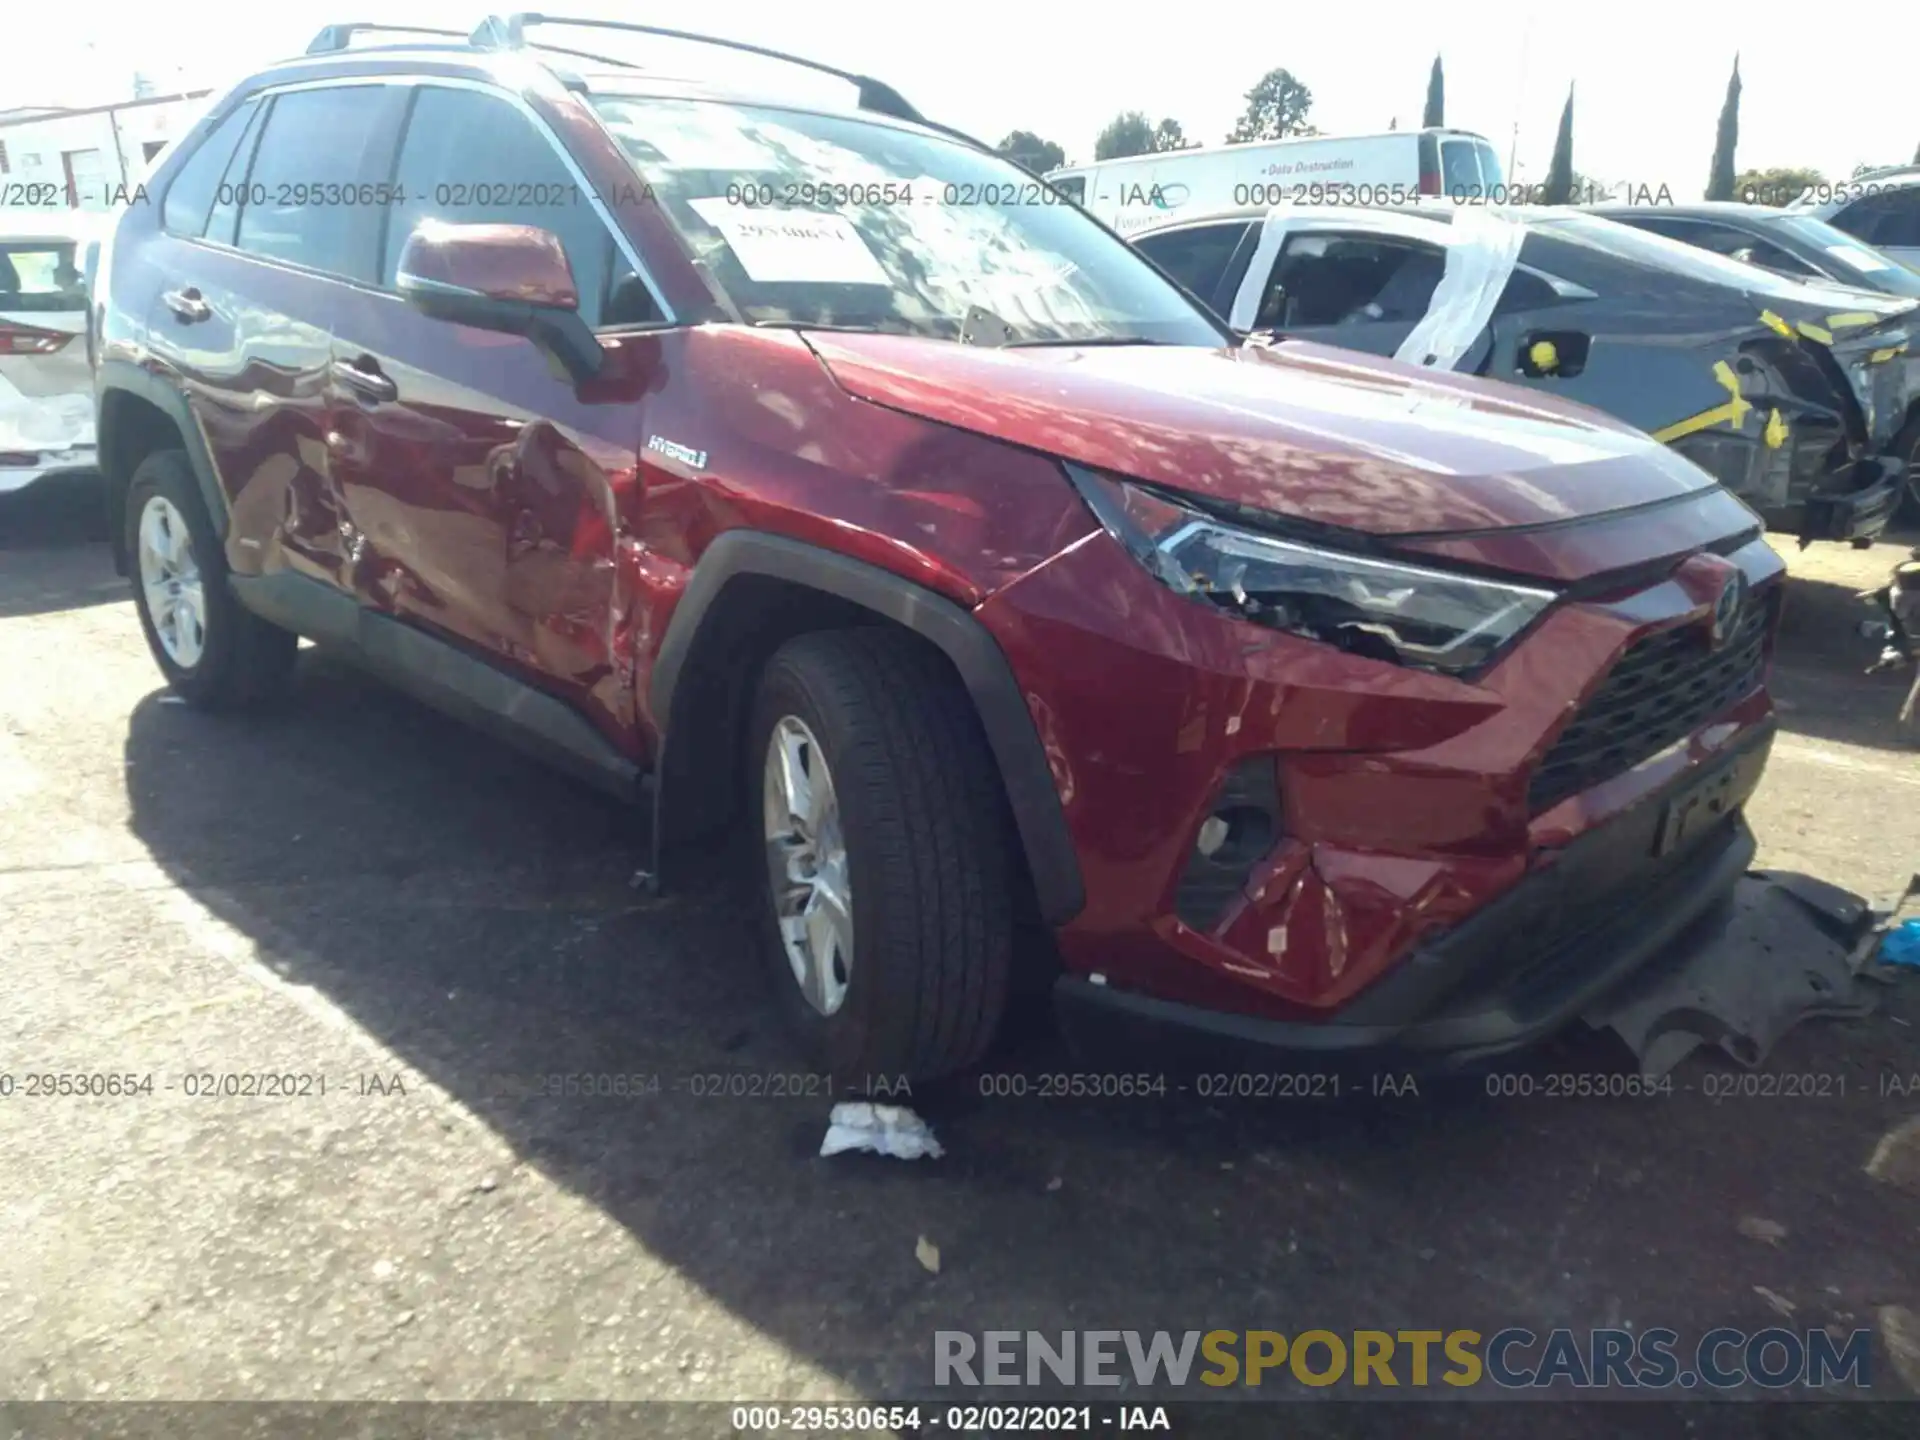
(929, 853)
(244, 661)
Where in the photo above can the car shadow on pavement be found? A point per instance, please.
(474, 913)
(41, 528)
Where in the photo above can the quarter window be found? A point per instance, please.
(192, 194)
(475, 159)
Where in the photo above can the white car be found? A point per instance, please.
(1399, 167)
(1881, 208)
(46, 383)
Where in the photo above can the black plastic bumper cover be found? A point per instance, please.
(1864, 513)
(1522, 968)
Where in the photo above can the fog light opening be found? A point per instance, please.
(1235, 835)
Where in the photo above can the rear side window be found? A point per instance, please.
(41, 276)
(1196, 257)
(473, 159)
(300, 194)
(194, 190)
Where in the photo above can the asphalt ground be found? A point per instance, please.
(357, 891)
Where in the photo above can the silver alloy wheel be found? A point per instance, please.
(170, 579)
(807, 865)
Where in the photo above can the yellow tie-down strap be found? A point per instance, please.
(1733, 412)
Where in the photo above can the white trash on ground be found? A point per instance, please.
(884, 1129)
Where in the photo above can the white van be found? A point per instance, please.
(1391, 169)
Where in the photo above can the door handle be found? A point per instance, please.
(187, 305)
(363, 376)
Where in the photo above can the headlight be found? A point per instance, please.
(1382, 609)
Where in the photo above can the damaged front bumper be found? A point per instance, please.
(1548, 952)
(1862, 514)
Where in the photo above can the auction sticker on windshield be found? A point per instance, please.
(794, 246)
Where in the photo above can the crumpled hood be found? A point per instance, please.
(1299, 429)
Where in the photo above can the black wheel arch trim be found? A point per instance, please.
(128, 378)
(974, 653)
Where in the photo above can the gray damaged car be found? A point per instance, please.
(1793, 395)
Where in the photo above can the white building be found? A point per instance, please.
(85, 159)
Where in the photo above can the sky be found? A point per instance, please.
(1649, 78)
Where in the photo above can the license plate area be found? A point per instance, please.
(1704, 803)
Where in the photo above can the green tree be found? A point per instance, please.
(1436, 97)
(1029, 151)
(1168, 135)
(1720, 179)
(1559, 187)
(1128, 133)
(1276, 107)
(1781, 185)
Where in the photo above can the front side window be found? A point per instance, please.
(475, 159)
(1074, 187)
(41, 276)
(820, 220)
(301, 195)
(1335, 279)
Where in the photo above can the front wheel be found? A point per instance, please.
(214, 653)
(886, 865)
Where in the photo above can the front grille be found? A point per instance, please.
(1661, 690)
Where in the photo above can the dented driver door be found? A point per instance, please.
(484, 483)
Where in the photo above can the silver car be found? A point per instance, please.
(46, 383)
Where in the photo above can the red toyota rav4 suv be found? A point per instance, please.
(812, 469)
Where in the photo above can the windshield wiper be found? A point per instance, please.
(841, 329)
(1095, 340)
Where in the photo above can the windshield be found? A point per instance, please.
(820, 220)
(1850, 258)
(1625, 242)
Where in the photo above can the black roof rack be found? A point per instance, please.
(340, 37)
(496, 33)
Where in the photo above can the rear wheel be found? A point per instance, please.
(214, 653)
(886, 868)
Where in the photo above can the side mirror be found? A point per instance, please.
(511, 278)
